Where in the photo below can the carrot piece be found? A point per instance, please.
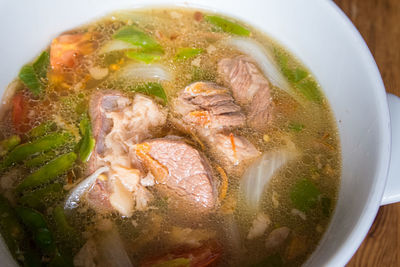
(232, 137)
(159, 171)
(224, 186)
(200, 117)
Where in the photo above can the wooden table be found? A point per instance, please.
(379, 23)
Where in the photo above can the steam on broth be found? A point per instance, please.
(166, 137)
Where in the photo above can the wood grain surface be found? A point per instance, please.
(379, 23)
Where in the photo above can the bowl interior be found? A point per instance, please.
(315, 31)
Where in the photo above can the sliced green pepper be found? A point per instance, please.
(62, 224)
(304, 195)
(188, 52)
(144, 56)
(69, 238)
(43, 144)
(31, 218)
(42, 129)
(36, 223)
(40, 159)
(227, 25)
(87, 143)
(153, 89)
(8, 144)
(49, 171)
(39, 199)
(133, 35)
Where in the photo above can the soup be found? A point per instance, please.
(166, 137)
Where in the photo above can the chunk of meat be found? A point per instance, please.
(98, 196)
(100, 104)
(181, 173)
(105, 249)
(66, 49)
(260, 224)
(208, 106)
(234, 148)
(277, 238)
(210, 110)
(121, 198)
(250, 88)
(118, 123)
(206, 255)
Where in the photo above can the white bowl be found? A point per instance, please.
(314, 30)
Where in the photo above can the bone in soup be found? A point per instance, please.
(166, 137)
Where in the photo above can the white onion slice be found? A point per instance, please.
(260, 172)
(75, 195)
(146, 71)
(116, 45)
(111, 249)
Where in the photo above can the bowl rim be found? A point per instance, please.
(348, 248)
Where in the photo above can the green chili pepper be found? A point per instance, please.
(68, 237)
(9, 143)
(188, 52)
(227, 25)
(31, 218)
(144, 56)
(36, 223)
(40, 159)
(49, 171)
(87, 143)
(42, 129)
(41, 198)
(61, 221)
(43, 144)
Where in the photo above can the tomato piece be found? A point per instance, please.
(19, 112)
(66, 49)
